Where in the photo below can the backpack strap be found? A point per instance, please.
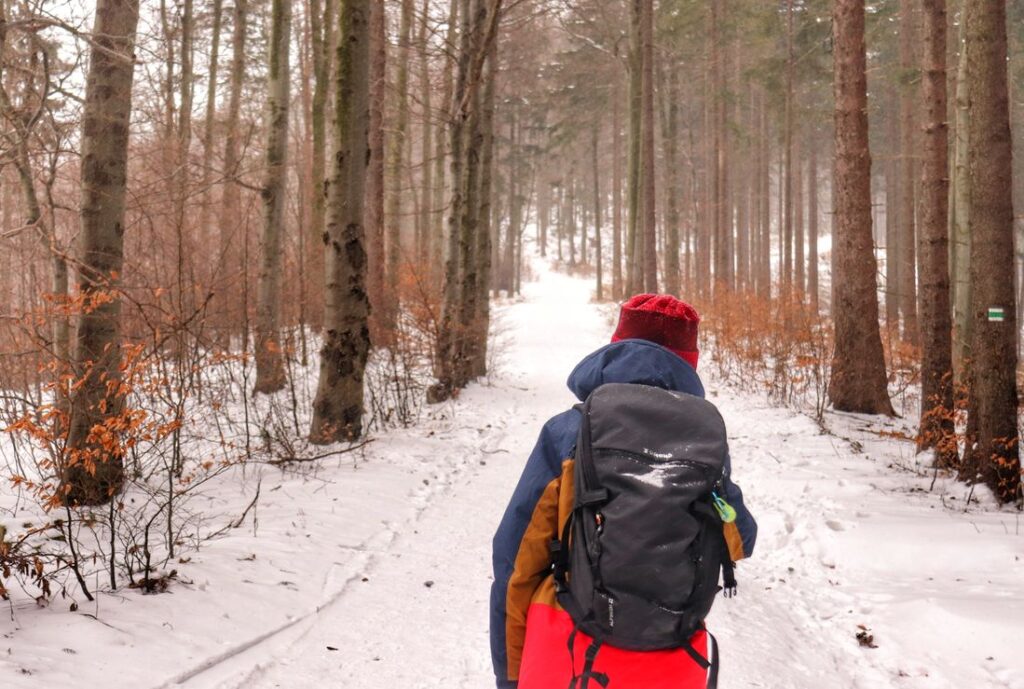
(710, 665)
(582, 681)
(713, 669)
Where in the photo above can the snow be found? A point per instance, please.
(373, 570)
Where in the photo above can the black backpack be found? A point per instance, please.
(638, 562)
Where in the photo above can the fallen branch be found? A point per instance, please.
(315, 458)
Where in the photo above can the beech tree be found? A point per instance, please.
(270, 375)
(338, 407)
(94, 470)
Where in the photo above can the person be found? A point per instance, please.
(655, 343)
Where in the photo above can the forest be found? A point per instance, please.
(241, 234)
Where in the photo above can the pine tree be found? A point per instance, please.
(858, 380)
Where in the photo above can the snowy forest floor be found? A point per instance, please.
(373, 571)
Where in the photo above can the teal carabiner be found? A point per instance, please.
(726, 511)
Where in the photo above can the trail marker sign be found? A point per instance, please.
(996, 314)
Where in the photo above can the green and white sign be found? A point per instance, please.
(996, 314)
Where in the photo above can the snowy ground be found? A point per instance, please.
(374, 571)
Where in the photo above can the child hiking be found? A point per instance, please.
(609, 554)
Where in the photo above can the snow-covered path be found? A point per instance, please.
(374, 572)
(845, 540)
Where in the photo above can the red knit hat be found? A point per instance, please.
(662, 319)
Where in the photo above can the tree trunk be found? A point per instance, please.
(94, 472)
(892, 218)
(427, 237)
(765, 222)
(374, 203)
(338, 406)
(231, 207)
(907, 233)
(798, 220)
(992, 456)
(570, 209)
(598, 257)
(650, 262)
(961, 215)
(858, 381)
(617, 286)
(481, 326)
(441, 246)
(394, 169)
(936, 429)
(270, 376)
(634, 280)
(670, 145)
(812, 226)
(321, 26)
(787, 222)
(210, 124)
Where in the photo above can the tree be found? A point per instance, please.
(936, 429)
(338, 406)
(787, 229)
(650, 243)
(858, 380)
(374, 210)
(270, 375)
(459, 346)
(992, 455)
(321, 26)
(960, 198)
(396, 145)
(228, 261)
(95, 471)
(907, 234)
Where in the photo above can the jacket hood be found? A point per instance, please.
(634, 361)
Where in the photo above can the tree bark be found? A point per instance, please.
(936, 428)
(671, 148)
(598, 249)
(209, 123)
(634, 279)
(322, 17)
(812, 226)
(650, 243)
(230, 216)
(374, 203)
(270, 375)
(338, 407)
(617, 281)
(992, 456)
(787, 222)
(488, 226)
(442, 244)
(858, 380)
(94, 471)
(427, 237)
(892, 218)
(961, 215)
(907, 233)
(394, 170)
